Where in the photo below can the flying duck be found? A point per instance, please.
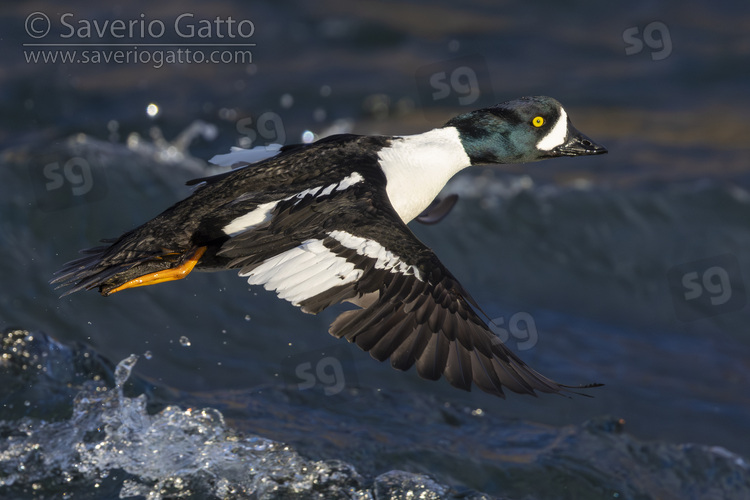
(326, 222)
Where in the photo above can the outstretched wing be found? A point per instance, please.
(355, 248)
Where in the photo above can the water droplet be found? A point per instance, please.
(123, 369)
(319, 114)
(247, 317)
(308, 137)
(228, 114)
(148, 355)
(152, 110)
(133, 140)
(286, 101)
(325, 90)
(184, 341)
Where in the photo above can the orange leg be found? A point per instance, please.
(176, 273)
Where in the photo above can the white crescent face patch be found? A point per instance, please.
(556, 136)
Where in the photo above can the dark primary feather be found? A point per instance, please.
(429, 323)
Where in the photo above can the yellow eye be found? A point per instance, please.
(538, 121)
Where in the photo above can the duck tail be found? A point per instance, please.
(104, 267)
(127, 262)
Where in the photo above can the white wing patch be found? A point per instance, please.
(328, 190)
(241, 155)
(346, 182)
(556, 136)
(251, 219)
(262, 213)
(302, 194)
(384, 258)
(350, 180)
(303, 272)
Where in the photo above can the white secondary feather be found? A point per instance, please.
(306, 192)
(384, 258)
(556, 136)
(303, 272)
(251, 219)
(291, 263)
(241, 155)
(328, 190)
(417, 167)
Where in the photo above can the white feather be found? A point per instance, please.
(286, 268)
(350, 180)
(322, 264)
(304, 193)
(241, 155)
(328, 190)
(384, 258)
(262, 213)
(303, 272)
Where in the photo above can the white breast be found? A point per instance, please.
(417, 167)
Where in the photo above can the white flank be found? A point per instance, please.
(384, 258)
(303, 272)
(261, 214)
(417, 167)
(240, 155)
(556, 136)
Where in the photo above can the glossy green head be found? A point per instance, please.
(520, 131)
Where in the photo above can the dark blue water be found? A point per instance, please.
(628, 269)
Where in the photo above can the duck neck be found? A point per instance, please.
(417, 167)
